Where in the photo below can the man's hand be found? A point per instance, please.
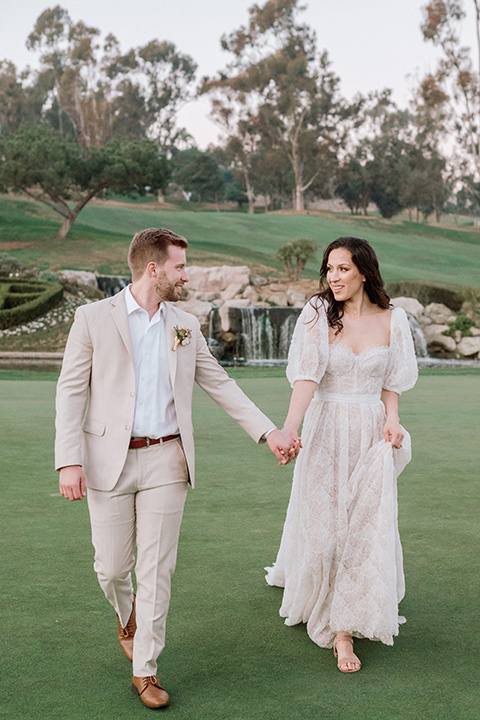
(72, 482)
(284, 445)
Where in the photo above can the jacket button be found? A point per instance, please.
(132, 394)
(127, 427)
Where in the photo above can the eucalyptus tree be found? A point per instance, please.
(278, 85)
(458, 72)
(160, 80)
(93, 91)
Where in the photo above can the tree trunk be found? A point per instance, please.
(65, 228)
(73, 214)
(438, 211)
(250, 195)
(299, 269)
(161, 196)
(299, 200)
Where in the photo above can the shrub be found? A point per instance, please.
(10, 266)
(462, 323)
(427, 292)
(48, 276)
(22, 301)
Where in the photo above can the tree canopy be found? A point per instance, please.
(58, 172)
(289, 135)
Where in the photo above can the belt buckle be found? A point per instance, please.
(147, 441)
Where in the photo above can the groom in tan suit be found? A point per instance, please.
(131, 361)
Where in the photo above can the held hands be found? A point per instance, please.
(393, 432)
(284, 444)
(72, 482)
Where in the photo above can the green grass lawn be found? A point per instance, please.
(100, 238)
(229, 656)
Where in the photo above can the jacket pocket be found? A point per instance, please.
(93, 428)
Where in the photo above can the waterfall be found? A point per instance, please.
(418, 338)
(261, 335)
(258, 335)
(265, 333)
(111, 285)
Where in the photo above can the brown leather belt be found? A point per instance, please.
(140, 442)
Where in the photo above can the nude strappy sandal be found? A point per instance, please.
(341, 637)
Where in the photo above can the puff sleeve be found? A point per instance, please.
(308, 353)
(403, 371)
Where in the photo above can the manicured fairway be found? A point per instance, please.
(100, 238)
(229, 656)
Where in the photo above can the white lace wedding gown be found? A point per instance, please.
(340, 558)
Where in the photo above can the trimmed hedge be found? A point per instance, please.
(428, 292)
(22, 301)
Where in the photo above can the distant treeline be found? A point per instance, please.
(93, 119)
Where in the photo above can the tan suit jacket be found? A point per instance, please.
(98, 374)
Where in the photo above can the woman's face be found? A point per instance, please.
(343, 276)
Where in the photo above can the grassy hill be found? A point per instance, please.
(100, 239)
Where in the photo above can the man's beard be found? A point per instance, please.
(167, 291)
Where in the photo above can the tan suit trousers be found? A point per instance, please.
(145, 510)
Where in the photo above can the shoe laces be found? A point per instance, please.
(150, 680)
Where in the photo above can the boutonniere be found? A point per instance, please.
(182, 336)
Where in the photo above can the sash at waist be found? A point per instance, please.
(341, 398)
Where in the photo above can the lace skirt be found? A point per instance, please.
(340, 557)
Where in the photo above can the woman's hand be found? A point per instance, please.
(393, 432)
(293, 435)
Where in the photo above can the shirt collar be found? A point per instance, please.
(133, 306)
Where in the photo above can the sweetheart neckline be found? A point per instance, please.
(370, 347)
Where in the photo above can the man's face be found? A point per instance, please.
(172, 275)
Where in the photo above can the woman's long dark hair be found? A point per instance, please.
(366, 261)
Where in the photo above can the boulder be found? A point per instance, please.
(200, 309)
(411, 305)
(233, 290)
(217, 278)
(475, 331)
(469, 346)
(277, 298)
(296, 298)
(80, 277)
(439, 313)
(210, 297)
(224, 313)
(434, 329)
(258, 281)
(438, 343)
(250, 294)
(278, 287)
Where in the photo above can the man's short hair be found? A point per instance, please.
(151, 245)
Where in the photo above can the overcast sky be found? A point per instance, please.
(372, 44)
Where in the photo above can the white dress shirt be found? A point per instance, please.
(155, 414)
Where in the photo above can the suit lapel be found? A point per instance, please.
(170, 322)
(120, 317)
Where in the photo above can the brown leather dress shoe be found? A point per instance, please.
(151, 692)
(126, 634)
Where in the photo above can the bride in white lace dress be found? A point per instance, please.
(340, 558)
